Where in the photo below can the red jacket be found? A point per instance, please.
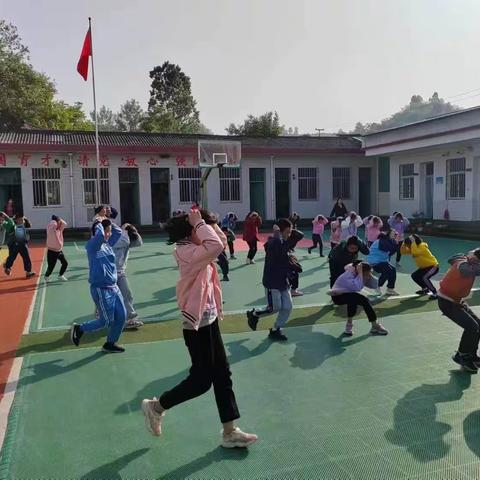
(250, 229)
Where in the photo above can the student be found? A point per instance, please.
(16, 237)
(379, 259)
(103, 287)
(100, 213)
(335, 232)
(350, 226)
(399, 223)
(294, 218)
(252, 223)
(295, 267)
(9, 208)
(275, 280)
(130, 238)
(344, 253)
(111, 212)
(319, 223)
(339, 209)
(55, 230)
(199, 298)
(373, 226)
(224, 264)
(229, 223)
(427, 264)
(455, 286)
(346, 290)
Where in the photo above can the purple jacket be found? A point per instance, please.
(399, 227)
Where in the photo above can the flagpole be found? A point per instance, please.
(97, 147)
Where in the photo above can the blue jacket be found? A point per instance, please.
(277, 263)
(229, 222)
(381, 250)
(101, 257)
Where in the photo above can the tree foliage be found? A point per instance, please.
(171, 107)
(27, 96)
(130, 116)
(418, 109)
(106, 119)
(265, 125)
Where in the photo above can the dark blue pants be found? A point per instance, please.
(388, 273)
(222, 260)
(19, 248)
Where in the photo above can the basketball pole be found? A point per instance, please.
(203, 187)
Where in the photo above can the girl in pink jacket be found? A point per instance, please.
(55, 230)
(335, 232)
(373, 227)
(318, 228)
(199, 241)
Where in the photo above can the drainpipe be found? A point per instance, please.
(71, 190)
(272, 186)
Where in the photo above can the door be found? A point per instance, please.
(364, 192)
(257, 190)
(428, 189)
(129, 195)
(282, 192)
(11, 189)
(160, 186)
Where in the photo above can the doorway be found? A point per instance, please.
(11, 188)
(282, 192)
(427, 189)
(160, 186)
(129, 195)
(364, 191)
(257, 190)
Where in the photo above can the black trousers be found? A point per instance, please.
(399, 255)
(209, 367)
(464, 317)
(252, 249)
(293, 279)
(352, 301)
(422, 278)
(317, 240)
(223, 262)
(231, 248)
(19, 248)
(52, 258)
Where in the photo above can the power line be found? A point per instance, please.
(464, 93)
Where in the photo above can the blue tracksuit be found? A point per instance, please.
(103, 284)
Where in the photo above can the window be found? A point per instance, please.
(455, 178)
(229, 184)
(46, 187)
(341, 182)
(307, 183)
(89, 178)
(189, 182)
(407, 181)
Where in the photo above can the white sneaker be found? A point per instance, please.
(47, 279)
(296, 293)
(378, 291)
(248, 261)
(63, 278)
(391, 292)
(238, 439)
(252, 261)
(153, 419)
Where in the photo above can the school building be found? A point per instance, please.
(147, 176)
(430, 167)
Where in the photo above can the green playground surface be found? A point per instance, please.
(324, 406)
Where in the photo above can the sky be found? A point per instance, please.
(322, 64)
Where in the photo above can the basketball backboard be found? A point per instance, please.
(215, 153)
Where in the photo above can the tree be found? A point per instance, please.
(418, 109)
(130, 117)
(106, 119)
(27, 96)
(266, 125)
(171, 102)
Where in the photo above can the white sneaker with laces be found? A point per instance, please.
(63, 278)
(392, 293)
(153, 419)
(238, 439)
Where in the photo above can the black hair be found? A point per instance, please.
(476, 252)
(99, 209)
(284, 223)
(353, 240)
(106, 222)
(418, 239)
(54, 217)
(132, 232)
(178, 228)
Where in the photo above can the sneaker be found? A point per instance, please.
(433, 296)
(277, 335)
(309, 250)
(153, 419)
(466, 362)
(75, 334)
(476, 360)
(248, 261)
(63, 278)
(225, 278)
(348, 329)
(30, 274)
(7, 271)
(47, 279)
(233, 257)
(131, 316)
(296, 293)
(112, 348)
(424, 291)
(378, 291)
(378, 329)
(133, 324)
(391, 292)
(238, 439)
(252, 261)
(252, 319)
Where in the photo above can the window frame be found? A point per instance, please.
(456, 174)
(342, 194)
(230, 182)
(190, 180)
(50, 176)
(409, 176)
(104, 185)
(308, 185)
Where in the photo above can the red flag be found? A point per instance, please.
(82, 66)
